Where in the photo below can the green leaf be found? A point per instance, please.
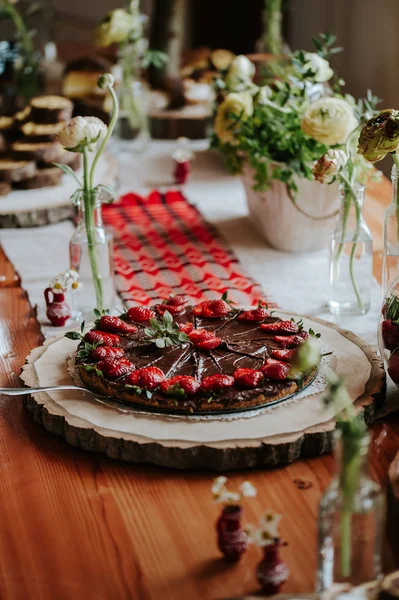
(167, 319)
(160, 342)
(73, 335)
(97, 313)
(68, 171)
(148, 394)
(82, 327)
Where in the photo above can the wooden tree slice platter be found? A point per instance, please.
(299, 427)
(35, 208)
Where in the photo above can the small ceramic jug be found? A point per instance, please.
(57, 311)
(272, 572)
(232, 539)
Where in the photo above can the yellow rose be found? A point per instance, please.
(236, 104)
(329, 121)
(116, 27)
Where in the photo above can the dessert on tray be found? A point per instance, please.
(180, 358)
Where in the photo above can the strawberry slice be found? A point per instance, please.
(204, 340)
(115, 325)
(105, 352)
(186, 327)
(99, 337)
(390, 334)
(173, 309)
(147, 377)
(178, 300)
(289, 341)
(113, 369)
(276, 369)
(180, 386)
(248, 378)
(215, 383)
(140, 314)
(256, 314)
(212, 309)
(285, 355)
(280, 327)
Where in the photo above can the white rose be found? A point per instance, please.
(237, 104)
(329, 121)
(320, 67)
(329, 165)
(240, 73)
(264, 94)
(81, 132)
(248, 490)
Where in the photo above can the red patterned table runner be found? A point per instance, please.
(164, 246)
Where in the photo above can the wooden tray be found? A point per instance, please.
(34, 208)
(300, 427)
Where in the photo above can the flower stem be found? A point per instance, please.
(395, 159)
(111, 127)
(273, 26)
(89, 202)
(353, 252)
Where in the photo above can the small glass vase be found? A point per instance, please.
(89, 255)
(351, 257)
(351, 519)
(132, 130)
(390, 265)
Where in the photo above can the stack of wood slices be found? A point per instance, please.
(29, 147)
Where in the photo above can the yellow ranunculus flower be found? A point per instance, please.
(237, 104)
(116, 27)
(329, 121)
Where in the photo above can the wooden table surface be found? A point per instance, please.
(75, 525)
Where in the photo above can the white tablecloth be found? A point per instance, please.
(297, 282)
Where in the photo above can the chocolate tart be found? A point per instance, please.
(244, 345)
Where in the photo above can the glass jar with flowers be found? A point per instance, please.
(91, 247)
(124, 27)
(351, 512)
(273, 134)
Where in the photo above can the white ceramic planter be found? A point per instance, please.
(286, 226)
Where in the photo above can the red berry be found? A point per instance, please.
(285, 355)
(180, 385)
(280, 327)
(115, 325)
(113, 369)
(289, 341)
(104, 352)
(99, 337)
(275, 369)
(393, 367)
(178, 300)
(248, 378)
(204, 340)
(215, 383)
(140, 314)
(147, 377)
(179, 309)
(256, 314)
(212, 309)
(186, 327)
(390, 334)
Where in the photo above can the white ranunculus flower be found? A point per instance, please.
(320, 67)
(240, 73)
(236, 104)
(81, 132)
(329, 121)
(264, 94)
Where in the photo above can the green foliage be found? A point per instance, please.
(164, 332)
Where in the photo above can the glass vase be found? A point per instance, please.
(91, 254)
(388, 331)
(132, 131)
(351, 257)
(351, 519)
(390, 265)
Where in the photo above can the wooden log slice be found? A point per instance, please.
(50, 109)
(298, 427)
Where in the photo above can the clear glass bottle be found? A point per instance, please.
(132, 129)
(351, 519)
(390, 265)
(92, 255)
(351, 257)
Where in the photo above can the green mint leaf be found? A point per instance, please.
(97, 313)
(161, 342)
(73, 335)
(82, 327)
(148, 394)
(150, 332)
(183, 337)
(135, 388)
(167, 319)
